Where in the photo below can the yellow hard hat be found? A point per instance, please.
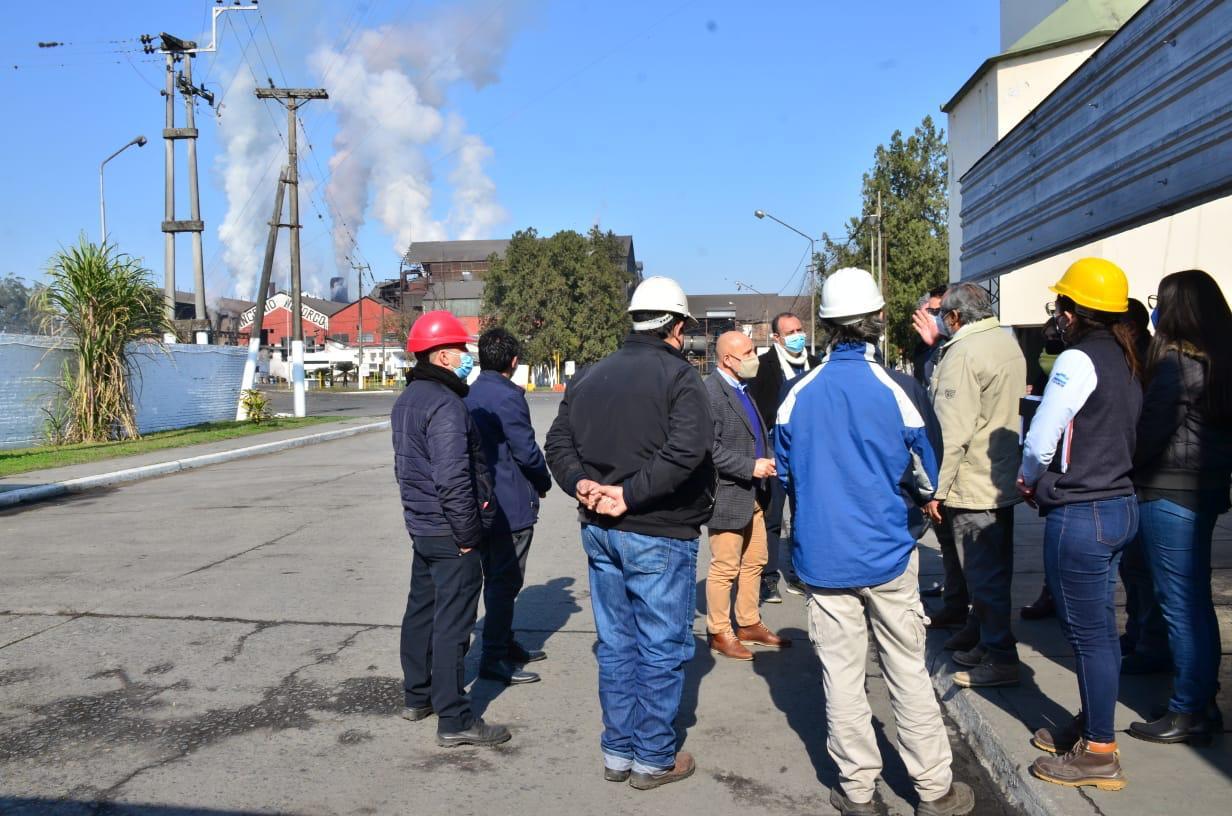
(1096, 284)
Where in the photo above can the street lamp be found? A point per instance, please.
(102, 206)
(812, 276)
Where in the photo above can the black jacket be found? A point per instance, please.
(442, 475)
(1178, 448)
(766, 389)
(639, 418)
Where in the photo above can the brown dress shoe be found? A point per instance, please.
(684, 768)
(1059, 739)
(1087, 764)
(759, 635)
(725, 644)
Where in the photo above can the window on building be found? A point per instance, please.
(368, 337)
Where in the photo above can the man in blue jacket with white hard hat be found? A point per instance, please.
(852, 442)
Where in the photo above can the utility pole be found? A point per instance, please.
(258, 317)
(359, 282)
(177, 50)
(292, 99)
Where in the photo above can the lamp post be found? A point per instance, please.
(102, 205)
(812, 276)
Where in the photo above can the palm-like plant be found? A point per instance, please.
(104, 300)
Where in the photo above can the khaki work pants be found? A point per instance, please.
(736, 557)
(839, 633)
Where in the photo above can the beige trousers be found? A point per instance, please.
(839, 633)
(736, 557)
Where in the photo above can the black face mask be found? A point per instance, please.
(1054, 342)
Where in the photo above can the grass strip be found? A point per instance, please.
(23, 460)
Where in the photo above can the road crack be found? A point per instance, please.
(232, 557)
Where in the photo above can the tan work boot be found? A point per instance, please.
(988, 675)
(759, 635)
(726, 644)
(1088, 763)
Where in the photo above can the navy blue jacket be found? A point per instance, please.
(499, 410)
(438, 460)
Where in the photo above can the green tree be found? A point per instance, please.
(104, 301)
(911, 175)
(562, 295)
(16, 314)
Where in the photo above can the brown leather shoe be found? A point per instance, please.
(759, 635)
(1086, 764)
(726, 644)
(1059, 739)
(684, 768)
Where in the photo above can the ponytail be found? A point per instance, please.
(1127, 339)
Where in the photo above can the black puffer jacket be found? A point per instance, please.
(639, 418)
(1178, 448)
(438, 460)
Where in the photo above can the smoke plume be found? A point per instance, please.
(389, 92)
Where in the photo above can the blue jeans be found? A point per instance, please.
(643, 590)
(1178, 544)
(1082, 545)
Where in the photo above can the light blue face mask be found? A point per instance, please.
(465, 364)
(795, 343)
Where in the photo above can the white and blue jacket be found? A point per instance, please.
(857, 446)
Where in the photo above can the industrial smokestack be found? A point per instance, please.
(338, 290)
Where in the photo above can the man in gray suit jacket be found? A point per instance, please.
(743, 457)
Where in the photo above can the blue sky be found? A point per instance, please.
(671, 121)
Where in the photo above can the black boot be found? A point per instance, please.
(1173, 727)
(1042, 607)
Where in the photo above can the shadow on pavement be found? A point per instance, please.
(540, 612)
(20, 806)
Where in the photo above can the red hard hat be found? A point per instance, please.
(436, 329)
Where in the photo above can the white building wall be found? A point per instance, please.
(1007, 92)
(1194, 239)
(184, 385)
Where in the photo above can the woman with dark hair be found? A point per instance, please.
(1182, 471)
(1076, 466)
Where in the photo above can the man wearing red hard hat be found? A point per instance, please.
(447, 504)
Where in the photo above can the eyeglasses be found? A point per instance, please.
(934, 310)
(1152, 301)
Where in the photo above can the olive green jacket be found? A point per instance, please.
(978, 381)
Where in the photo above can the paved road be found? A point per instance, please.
(225, 640)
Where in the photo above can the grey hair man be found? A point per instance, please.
(979, 379)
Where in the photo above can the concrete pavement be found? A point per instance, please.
(225, 640)
(999, 722)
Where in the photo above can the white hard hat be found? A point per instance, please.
(848, 295)
(662, 296)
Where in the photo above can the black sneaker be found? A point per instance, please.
(770, 593)
(417, 713)
(795, 586)
(507, 673)
(520, 654)
(480, 733)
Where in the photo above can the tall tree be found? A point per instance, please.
(911, 175)
(564, 295)
(17, 316)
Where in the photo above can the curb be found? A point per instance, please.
(1021, 789)
(36, 493)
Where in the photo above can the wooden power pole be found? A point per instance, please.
(293, 99)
